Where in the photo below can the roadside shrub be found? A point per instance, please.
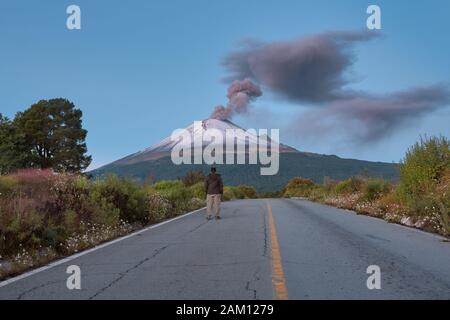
(197, 203)
(298, 187)
(21, 226)
(167, 185)
(424, 181)
(351, 185)
(192, 178)
(228, 194)
(8, 185)
(329, 184)
(271, 194)
(34, 182)
(443, 192)
(198, 190)
(237, 193)
(248, 191)
(158, 206)
(318, 193)
(375, 188)
(178, 195)
(423, 168)
(67, 192)
(125, 195)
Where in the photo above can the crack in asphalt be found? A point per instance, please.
(21, 296)
(252, 290)
(123, 274)
(196, 228)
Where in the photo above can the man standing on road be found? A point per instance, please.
(214, 192)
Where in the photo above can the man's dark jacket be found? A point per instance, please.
(214, 184)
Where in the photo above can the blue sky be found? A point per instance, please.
(140, 69)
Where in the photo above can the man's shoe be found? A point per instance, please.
(218, 218)
(208, 217)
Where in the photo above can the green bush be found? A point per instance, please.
(318, 193)
(159, 207)
(351, 185)
(375, 188)
(228, 193)
(193, 177)
(125, 195)
(20, 227)
(249, 192)
(237, 193)
(167, 185)
(177, 193)
(329, 184)
(443, 192)
(423, 167)
(425, 179)
(8, 185)
(298, 187)
(198, 190)
(273, 194)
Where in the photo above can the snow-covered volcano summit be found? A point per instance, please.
(164, 148)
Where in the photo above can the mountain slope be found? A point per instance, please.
(164, 148)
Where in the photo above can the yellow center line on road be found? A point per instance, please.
(278, 279)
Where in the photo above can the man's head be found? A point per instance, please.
(213, 170)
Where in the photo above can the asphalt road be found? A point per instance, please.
(261, 249)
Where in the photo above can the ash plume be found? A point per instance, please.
(313, 72)
(304, 70)
(240, 94)
(371, 118)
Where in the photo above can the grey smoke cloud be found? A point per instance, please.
(369, 118)
(313, 72)
(305, 70)
(240, 94)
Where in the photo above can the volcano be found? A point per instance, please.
(164, 148)
(155, 162)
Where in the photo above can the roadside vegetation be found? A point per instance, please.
(421, 198)
(45, 215)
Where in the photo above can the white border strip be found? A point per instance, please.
(106, 244)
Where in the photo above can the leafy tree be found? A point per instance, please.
(53, 134)
(13, 153)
